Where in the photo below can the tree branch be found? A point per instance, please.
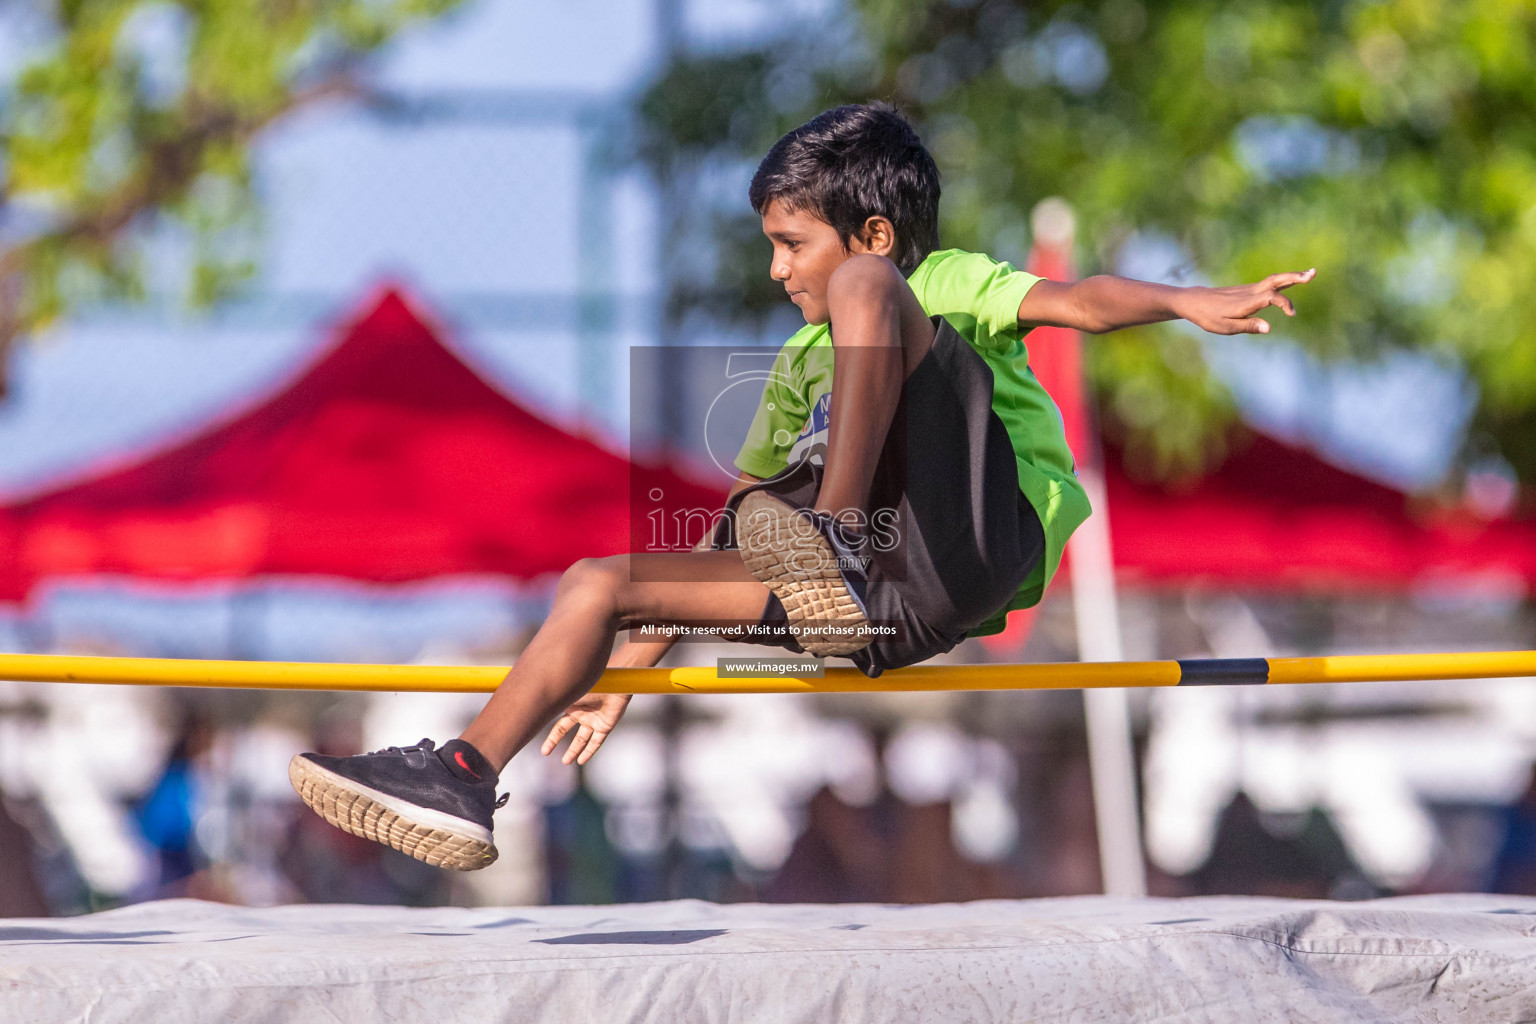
(165, 174)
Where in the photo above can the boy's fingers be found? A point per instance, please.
(1286, 280)
(592, 745)
(1284, 303)
(582, 735)
(556, 732)
(1254, 326)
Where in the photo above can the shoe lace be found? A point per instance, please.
(425, 745)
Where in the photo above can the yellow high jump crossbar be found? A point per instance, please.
(278, 675)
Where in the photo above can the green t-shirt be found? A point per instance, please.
(980, 298)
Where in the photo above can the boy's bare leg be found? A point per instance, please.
(593, 717)
(873, 314)
(436, 804)
(595, 599)
(640, 653)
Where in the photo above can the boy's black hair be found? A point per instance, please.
(851, 163)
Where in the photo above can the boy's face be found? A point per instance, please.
(806, 249)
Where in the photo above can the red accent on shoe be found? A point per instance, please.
(458, 755)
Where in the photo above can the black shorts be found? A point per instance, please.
(968, 538)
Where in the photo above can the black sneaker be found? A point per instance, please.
(405, 798)
(814, 566)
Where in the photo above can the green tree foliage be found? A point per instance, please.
(130, 112)
(1391, 144)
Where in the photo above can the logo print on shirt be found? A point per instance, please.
(812, 442)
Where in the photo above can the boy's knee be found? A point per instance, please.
(867, 279)
(871, 290)
(597, 579)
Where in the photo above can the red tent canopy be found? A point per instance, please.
(1275, 516)
(387, 460)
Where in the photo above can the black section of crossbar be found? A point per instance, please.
(1224, 672)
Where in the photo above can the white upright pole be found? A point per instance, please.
(1095, 607)
(1111, 755)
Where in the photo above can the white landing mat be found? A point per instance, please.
(1464, 958)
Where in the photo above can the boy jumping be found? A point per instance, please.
(905, 483)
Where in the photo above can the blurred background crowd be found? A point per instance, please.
(333, 330)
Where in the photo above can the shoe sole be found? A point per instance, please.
(418, 832)
(800, 567)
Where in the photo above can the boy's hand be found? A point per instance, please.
(593, 717)
(1231, 310)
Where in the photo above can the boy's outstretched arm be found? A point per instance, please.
(1103, 303)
